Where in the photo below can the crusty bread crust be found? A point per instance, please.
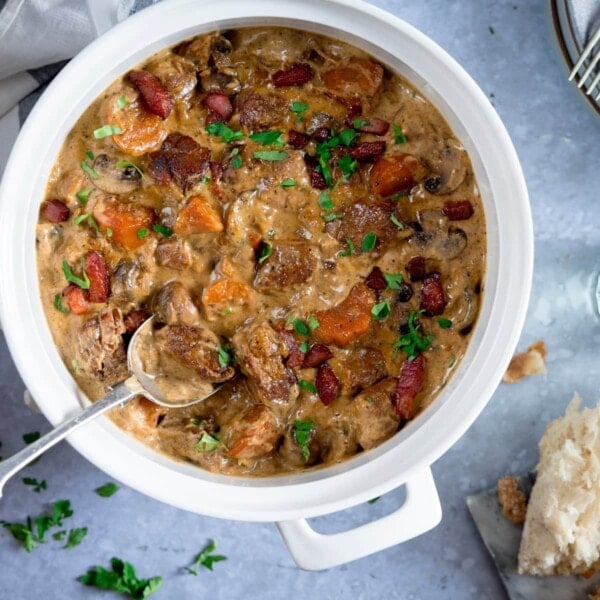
(530, 362)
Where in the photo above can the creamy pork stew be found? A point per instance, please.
(301, 222)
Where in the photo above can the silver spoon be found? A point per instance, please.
(138, 383)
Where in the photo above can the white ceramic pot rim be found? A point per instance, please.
(510, 249)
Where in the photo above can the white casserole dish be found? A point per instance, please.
(404, 459)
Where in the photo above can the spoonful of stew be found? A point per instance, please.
(173, 365)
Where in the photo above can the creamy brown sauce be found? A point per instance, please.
(256, 257)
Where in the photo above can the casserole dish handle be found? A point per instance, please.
(314, 551)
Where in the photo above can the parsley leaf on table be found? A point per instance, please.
(206, 558)
(107, 490)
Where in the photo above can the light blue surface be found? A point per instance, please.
(558, 140)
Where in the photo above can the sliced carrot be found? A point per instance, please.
(198, 216)
(143, 132)
(77, 299)
(347, 321)
(363, 77)
(397, 173)
(127, 221)
(225, 294)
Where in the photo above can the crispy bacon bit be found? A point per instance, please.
(213, 117)
(316, 179)
(416, 268)
(327, 384)
(95, 267)
(219, 104)
(296, 75)
(375, 126)
(56, 211)
(458, 210)
(76, 298)
(321, 134)
(433, 300)
(153, 92)
(296, 356)
(317, 355)
(410, 382)
(134, 319)
(180, 158)
(375, 280)
(367, 151)
(297, 140)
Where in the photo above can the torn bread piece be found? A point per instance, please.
(561, 535)
(525, 364)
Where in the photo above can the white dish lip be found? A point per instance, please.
(510, 259)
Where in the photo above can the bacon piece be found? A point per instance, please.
(375, 280)
(410, 382)
(56, 211)
(397, 173)
(322, 134)
(433, 300)
(153, 92)
(77, 299)
(458, 210)
(317, 355)
(180, 158)
(416, 268)
(219, 104)
(296, 356)
(367, 151)
(327, 384)
(297, 140)
(375, 126)
(134, 319)
(296, 75)
(316, 179)
(95, 267)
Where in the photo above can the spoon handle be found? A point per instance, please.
(117, 395)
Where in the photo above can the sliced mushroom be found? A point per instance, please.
(115, 179)
(449, 169)
(434, 240)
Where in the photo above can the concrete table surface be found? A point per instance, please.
(509, 48)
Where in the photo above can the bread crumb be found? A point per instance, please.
(512, 499)
(561, 535)
(525, 364)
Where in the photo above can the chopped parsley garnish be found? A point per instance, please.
(106, 131)
(90, 154)
(88, 169)
(142, 233)
(266, 251)
(109, 232)
(368, 242)
(209, 443)
(36, 485)
(381, 310)
(394, 219)
(331, 217)
(313, 322)
(206, 558)
(347, 166)
(224, 357)
(226, 134)
(302, 431)
(32, 532)
(271, 233)
(58, 304)
(76, 537)
(307, 386)
(452, 361)
(29, 438)
(122, 102)
(325, 201)
(270, 155)
(346, 136)
(399, 136)
(84, 283)
(126, 164)
(360, 122)
(413, 342)
(393, 280)
(373, 500)
(107, 490)
(444, 323)
(398, 197)
(162, 230)
(288, 182)
(303, 347)
(86, 217)
(268, 138)
(299, 108)
(349, 248)
(236, 159)
(122, 578)
(59, 536)
(301, 327)
(83, 195)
